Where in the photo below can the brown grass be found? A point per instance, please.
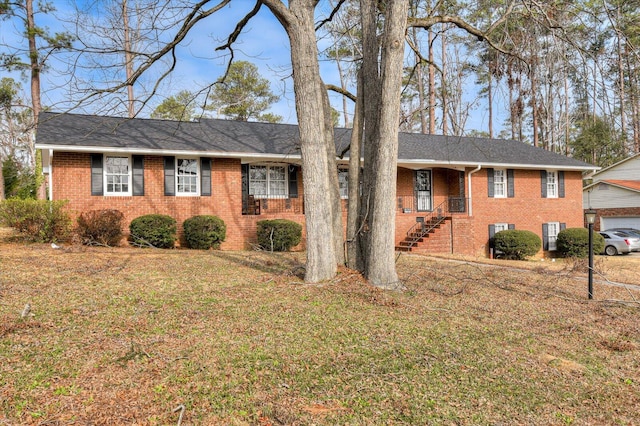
(142, 336)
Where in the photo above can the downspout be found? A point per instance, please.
(50, 164)
(477, 169)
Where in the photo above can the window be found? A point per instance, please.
(343, 182)
(501, 227)
(499, 183)
(117, 175)
(552, 184)
(186, 176)
(268, 181)
(552, 235)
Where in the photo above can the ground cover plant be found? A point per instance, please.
(155, 337)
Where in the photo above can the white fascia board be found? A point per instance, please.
(241, 155)
(461, 165)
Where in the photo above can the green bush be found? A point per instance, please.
(279, 234)
(204, 232)
(517, 244)
(153, 230)
(574, 242)
(37, 220)
(101, 227)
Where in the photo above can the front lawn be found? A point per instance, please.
(166, 337)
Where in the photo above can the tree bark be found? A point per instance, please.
(311, 109)
(128, 59)
(354, 222)
(382, 104)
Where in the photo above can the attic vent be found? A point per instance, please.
(603, 187)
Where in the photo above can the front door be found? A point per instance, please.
(423, 190)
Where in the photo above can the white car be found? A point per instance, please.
(615, 244)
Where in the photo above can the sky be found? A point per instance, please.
(263, 42)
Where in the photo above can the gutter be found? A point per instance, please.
(477, 169)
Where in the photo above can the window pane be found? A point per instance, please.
(276, 173)
(117, 174)
(552, 185)
(187, 167)
(258, 173)
(343, 182)
(499, 181)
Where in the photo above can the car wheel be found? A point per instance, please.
(611, 251)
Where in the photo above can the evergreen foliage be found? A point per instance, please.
(153, 230)
(279, 234)
(517, 244)
(574, 242)
(204, 232)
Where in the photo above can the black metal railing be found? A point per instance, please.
(425, 225)
(411, 204)
(253, 206)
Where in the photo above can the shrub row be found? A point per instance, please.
(45, 221)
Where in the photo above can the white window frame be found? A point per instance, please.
(178, 177)
(552, 184)
(268, 181)
(500, 186)
(501, 227)
(106, 174)
(343, 183)
(552, 238)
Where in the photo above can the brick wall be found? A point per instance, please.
(466, 235)
(72, 181)
(527, 210)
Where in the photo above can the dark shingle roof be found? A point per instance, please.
(75, 132)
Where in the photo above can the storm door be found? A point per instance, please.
(423, 190)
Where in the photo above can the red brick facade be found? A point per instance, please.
(464, 234)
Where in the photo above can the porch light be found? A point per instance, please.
(590, 217)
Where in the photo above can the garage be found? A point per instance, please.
(620, 222)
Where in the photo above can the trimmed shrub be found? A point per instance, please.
(153, 230)
(204, 232)
(279, 234)
(101, 227)
(574, 242)
(38, 220)
(517, 244)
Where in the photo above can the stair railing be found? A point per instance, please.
(426, 225)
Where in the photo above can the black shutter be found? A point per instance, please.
(561, 184)
(510, 184)
(169, 176)
(96, 175)
(138, 174)
(245, 188)
(511, 226)
(545, 236)
(205, 176)
(492, 233)
(563, 226)
(293, 181)
(490, 186)
(543, 183)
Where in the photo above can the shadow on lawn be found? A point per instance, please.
(269, 262)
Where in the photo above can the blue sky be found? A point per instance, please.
(263, 42)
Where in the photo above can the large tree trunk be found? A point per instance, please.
(315, 138)
(128, 59)
(382, 108)
(354, 253)
(34, 57)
